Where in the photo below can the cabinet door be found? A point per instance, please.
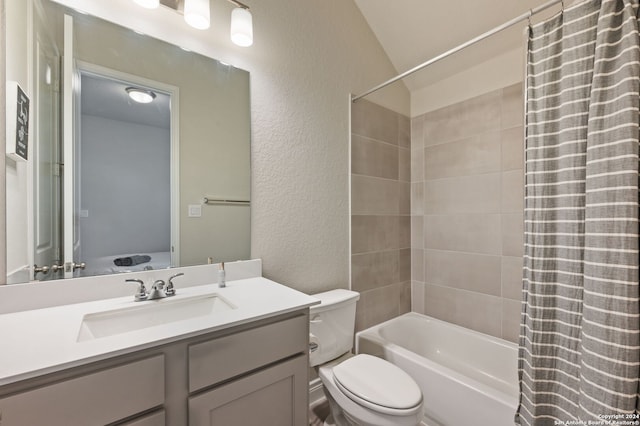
(275, 396)
(99, 398)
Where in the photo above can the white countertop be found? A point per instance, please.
(42, 341)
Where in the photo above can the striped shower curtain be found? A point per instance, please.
(579, 340)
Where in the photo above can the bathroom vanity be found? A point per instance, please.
(209, 355)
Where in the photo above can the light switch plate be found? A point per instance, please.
(195, 210)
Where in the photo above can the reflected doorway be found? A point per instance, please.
(122, 183)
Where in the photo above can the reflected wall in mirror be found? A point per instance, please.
(210, 158)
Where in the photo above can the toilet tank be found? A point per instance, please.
(332, 325)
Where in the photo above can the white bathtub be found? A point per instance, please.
(467, 378)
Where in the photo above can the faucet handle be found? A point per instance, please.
(170, 290)
(141, 294)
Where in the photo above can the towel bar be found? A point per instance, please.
(227, 202)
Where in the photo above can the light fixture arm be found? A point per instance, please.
(239, 4)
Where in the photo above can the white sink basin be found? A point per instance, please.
(149, 314)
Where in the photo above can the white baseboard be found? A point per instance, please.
(316, 392)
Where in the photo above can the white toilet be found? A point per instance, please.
(361, 389)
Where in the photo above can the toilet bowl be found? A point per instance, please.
(361, 389)
(365, 390)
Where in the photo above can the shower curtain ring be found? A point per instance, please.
(561, 6)
(529, 17)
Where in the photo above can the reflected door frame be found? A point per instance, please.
(72, 70)
(44, 180)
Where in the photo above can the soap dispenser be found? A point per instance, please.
(222, 279)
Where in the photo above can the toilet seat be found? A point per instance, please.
(378, 385)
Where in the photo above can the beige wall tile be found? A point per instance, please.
(466, 194)
(404, 164)
(469, 245)
(377, 305)
(474, 272)
(417, 165)
(373, 158)
(404, 231)
(471, 156)
(417, 265)
(405, 298)
(478, 233)
(466, 308)
(512, 192)
(512, 277)
(417, 232)
(417, 200)
(373, 121)
(374, 270)
(512, 148)
(512, 234)
(417, 297)
(511, 311)
(417, 133)
(474, 116)
(374, 233)
(512, 106)
(404, 131)
(404, 197)
(371, 195)
(404, 265)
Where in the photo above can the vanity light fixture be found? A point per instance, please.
(196, 13)
(142, 96)
(149, 4)
(241, 25)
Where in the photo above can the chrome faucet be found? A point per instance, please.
(170, 290)
(159, 289)
(141, 294)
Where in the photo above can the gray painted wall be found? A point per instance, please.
(124, 188)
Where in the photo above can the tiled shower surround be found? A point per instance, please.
(467, 212)
(436, 212)
(380, 213)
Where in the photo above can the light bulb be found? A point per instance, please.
(149, 4)
(140, 95)
(196, 13)
(241, 27)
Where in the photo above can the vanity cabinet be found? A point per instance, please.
(250, 374)
(99, 398)
(272, 394)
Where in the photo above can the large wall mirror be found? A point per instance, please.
(115, 185)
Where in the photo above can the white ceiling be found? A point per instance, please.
(107, 98)
(413, 31)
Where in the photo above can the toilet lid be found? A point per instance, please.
(378, 382)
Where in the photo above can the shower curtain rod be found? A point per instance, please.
(524, 16)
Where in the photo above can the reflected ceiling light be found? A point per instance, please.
(196, 13)
(149, 4)
(241, 27)
(142, 96)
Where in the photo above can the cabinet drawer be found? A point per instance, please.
(94, 399)
(275, 396)
(229, 356)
